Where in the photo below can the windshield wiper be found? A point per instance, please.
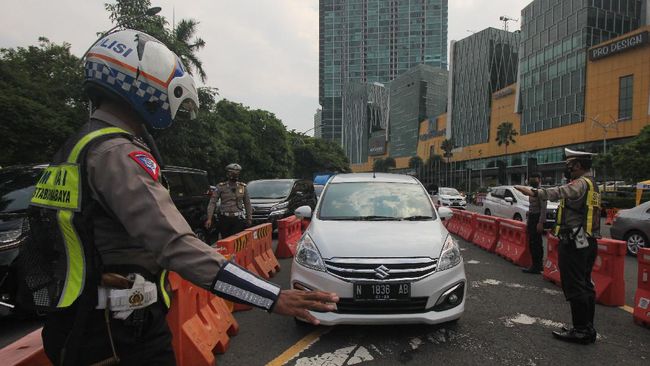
(417, 218)
(378, 218)
(342, 218)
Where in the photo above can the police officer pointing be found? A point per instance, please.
(105, 230)
(577, 227)
(235, 211)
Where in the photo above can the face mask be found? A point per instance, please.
(534, 184)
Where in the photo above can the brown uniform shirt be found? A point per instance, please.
(574, 194)
(538, 206)
(233, 198)
(143, 226)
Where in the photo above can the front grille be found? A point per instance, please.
(381, 269)
(261, 213)
(350, 306)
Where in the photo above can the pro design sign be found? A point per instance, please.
(619, 46)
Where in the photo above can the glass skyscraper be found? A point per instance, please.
(374, 41)
(553, 56)
(481, 64)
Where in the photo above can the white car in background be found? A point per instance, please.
(509, 203)
(377, 241)
(449, 197)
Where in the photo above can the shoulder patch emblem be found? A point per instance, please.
(147, 162)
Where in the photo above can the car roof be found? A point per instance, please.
(373, 177)
(274, 180)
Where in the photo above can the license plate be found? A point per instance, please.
(382, 291)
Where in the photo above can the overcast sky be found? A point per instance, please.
(262, 53)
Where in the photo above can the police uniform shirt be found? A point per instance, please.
(149, 231)
(538, 207)
(574, 195)
(234, 198)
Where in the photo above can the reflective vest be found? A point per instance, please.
(589, 208)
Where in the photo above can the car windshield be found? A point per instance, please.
(16, 188)
(318, 189)
(376, 201)
(269, 188)
(449, 192)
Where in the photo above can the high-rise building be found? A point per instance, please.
(553, 57)
(374, 41)
(480, 65)
(317, 122)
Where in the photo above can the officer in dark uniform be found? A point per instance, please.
(105, 230)
(235, 211)
(578, 227)
(535, 226)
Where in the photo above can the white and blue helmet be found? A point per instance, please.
(139, 69)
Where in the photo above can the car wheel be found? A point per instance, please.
(635, 240)
(518, 217)
(487, 212)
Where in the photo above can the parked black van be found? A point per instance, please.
(190, 191)
(274, 199)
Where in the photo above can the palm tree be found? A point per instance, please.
(415, 163)
(447, 146)
(186, 45)
(506, 135)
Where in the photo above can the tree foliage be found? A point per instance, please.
(312, 155)
(632, 160)
(506, 134)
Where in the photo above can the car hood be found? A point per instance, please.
(266, 202)
(378, 239)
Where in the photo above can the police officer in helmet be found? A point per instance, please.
(235, 211)
(107, 231)
(577, 227)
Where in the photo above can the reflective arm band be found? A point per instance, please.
(236, 284)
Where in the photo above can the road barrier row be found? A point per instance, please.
(611, 214)
(289, 232)
(486, 233)
(467, 225)
(512, 243)
(264, 260)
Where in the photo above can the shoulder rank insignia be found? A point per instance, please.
(147, 162)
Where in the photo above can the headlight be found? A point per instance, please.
(280, 206)
(308, 255)
(450, 254)
(10, 235)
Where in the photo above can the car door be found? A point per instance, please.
(497, 202)
(509, 208)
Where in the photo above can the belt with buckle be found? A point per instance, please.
(232, 214)
(123, 301)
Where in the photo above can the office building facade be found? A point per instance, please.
(374, 41)
(553, 57)
(480, 65)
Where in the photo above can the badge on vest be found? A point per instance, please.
(147, 162)
(59, 188)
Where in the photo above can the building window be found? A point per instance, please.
(625, 97)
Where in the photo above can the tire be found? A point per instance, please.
(635, 240)
(518, 217)
(487, 212)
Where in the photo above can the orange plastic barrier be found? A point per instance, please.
(200, 322)
(289, 232)
(238, 247)
(642, 295)
(512, 243)
(551, 266)
(455, 222)
(27, 351)
(264, 259)
(304, 224)
(611, 213)
(609, 272)
(467, 226)
(486, 233)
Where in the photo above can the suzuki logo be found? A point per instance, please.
(382, 272)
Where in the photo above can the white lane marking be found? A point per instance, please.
(524, 319)
(491, 282)
(338, 357)
(376, 349)
(472, 262)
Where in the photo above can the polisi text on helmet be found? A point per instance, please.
(119, 48)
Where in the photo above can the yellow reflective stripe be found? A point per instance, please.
(590, 208)
(74, 252)
(163, 290)
(558, 218)
(76, 150)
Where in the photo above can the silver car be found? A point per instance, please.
(377, 241)
(449, 197)
(633, 226)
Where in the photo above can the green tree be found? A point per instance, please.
(632, 160)
(506, 135)
(41, 101)
(312, 155)
(415, 162)
(447, 145)
(379, 166)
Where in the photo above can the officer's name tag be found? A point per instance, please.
(593, 199)
(58, 188)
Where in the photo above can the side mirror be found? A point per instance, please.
(509, 200)
(303, 212)
(445, 213)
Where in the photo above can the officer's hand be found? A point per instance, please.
(296, 303)
(525, 190)
(208, 223)
(540, 228)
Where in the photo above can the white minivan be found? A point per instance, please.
(509, 203)
(377, 241)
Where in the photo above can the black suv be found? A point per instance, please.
(274, 199)
(190, 191)
(16, 189)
